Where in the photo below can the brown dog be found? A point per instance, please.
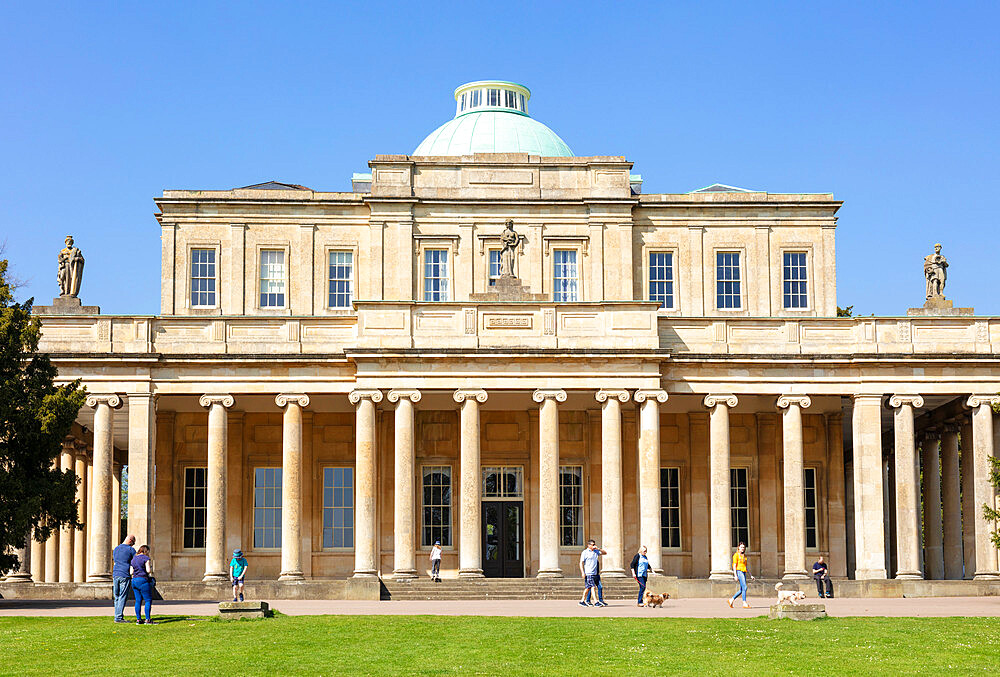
(652, 600)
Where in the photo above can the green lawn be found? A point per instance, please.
(511, 646)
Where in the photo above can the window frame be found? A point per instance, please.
(449, 527)
(733, 508)
(810, 286)
(665, 509)
(648, 281)
(503, 495)
(278, 510)
(185, 508)
(806, 470)
(261, 248)
(329, 251)
(576, 269)
(740, 268)
(579, 507)
(449, 271)
(490, 279)
(188, 289)
(323, 508)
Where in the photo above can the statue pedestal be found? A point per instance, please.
(66, 305)
(508, 289)
(937, 306)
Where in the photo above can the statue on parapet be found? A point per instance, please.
(935, 273)
(509, 240)
(70, 273)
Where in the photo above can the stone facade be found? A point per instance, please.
(620, 419)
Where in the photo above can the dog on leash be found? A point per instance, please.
(789, 596)
(652, 600)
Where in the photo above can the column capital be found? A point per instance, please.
(650, 394)
(397, 394)
(463, 394)
(543, 394)
(728, 400)
(373, 394)
(284, 399)
(110, 399)
(991, 400)
(604, 394)
(81, 448)
(69, 444)
(867, 397)
(932, 433)
(785, 401)
(208, 400)
(899, 400)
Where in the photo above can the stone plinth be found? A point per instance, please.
(66, 305)
(798, 612)
(234, 611)
(508, 289)
(937, 306)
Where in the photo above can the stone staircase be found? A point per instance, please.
(503, 588)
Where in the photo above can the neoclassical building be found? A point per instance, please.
(336, 380)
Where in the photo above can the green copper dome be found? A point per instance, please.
(492, 117)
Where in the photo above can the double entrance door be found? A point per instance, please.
(503, 539)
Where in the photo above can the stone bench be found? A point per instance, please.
(235, 611)
(798, 612)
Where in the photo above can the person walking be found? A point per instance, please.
(589, 562)
(740, 573)
(640, 571)
(436, 562)
(120, 579)
(822, 575)
(142, 584)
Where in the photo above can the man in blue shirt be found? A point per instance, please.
(121, 577)
(589, 559)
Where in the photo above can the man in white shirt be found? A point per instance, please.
(436, 562)
(589, 565)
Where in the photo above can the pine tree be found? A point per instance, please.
(35, 417)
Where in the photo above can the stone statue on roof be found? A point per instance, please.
(509, 240)
(935, 273)
(70, 273)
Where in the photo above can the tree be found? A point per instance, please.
(35, 417)
(847, 311)
(990, 514)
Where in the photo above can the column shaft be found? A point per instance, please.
(907, 488)
(365, 550)
(116, 505)
(404, 522)
(79, 536)
(470, 553)
(100, 548)
(23, 572)
(51, 571)
(649, 475)
(931, 491)
(37, 560)
(982, 441)
(794, 492)
(215, 521)
(869, 529)
(718, 477)
(951, 504)
(611, 481)
(141, 448)
(548, 481)
(66, 533)
(291, 486)
(968, 501)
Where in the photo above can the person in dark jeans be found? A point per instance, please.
(142, 585)
(640, 571)
(822, 575)
(121, 581)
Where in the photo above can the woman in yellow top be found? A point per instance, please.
(740, 573)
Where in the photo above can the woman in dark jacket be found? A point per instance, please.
(640, 571)
(142, 586)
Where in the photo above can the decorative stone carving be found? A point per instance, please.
(658, 395)
(603, 395)
(508, 287)
(935, 273)
(225, 400)
(112, 400)
(372, 394)
(543, 394)
(70, 273)
(509, 240)
(283, 399)
(979, 400)
(463, 394)
(404, 393)
(915, 401)
(803, 401)
(728, 400)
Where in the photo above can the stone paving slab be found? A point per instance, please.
(679, 608)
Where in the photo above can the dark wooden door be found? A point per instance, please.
(503, 539)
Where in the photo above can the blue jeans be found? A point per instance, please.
(143, 592)
(642, 587)
(741, 576)
(119, 592)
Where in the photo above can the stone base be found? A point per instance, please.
(66, 305)
(234, 611)
(937, 306)
(508, 289)
(549, 573)
(797, 612)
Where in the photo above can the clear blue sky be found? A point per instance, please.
(893, 107)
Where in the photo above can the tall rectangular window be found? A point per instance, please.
(739, 501)
(195, 506)
(571, 505)
(670, 507)
(494, 97)
(494, 263)
(267, 508)
(338, 507)
(435, 275)
(728, 292)
(272, 278)
(436, 525)
(812, 523)
(341, 279)
(564, 276)
(202, 277)
(661, 278)
(795, 280)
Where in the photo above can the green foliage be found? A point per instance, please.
(845, 312)
(35, 416)
(989, 513)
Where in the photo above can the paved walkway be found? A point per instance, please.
(679, 608)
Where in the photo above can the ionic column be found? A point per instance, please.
(982, 450)
(37, 560)
(89, 531)
(116, 504)
(100, 548)
(365, 553)
(869, 519)
(404, 527)
(548, 481)
(968, 498)
(794, 492)
(66, 532)
(649, 475)
(51, 571)
(611, 480)
(215, 519)
(23, 572)
(907, 487)
(931, 492)
(470, 546)
(718, 478)
(951, 503)
(141, 449)
(291, 485)
(79, 536)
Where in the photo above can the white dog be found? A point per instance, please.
(789, 596)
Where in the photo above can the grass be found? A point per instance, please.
(493, 646)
